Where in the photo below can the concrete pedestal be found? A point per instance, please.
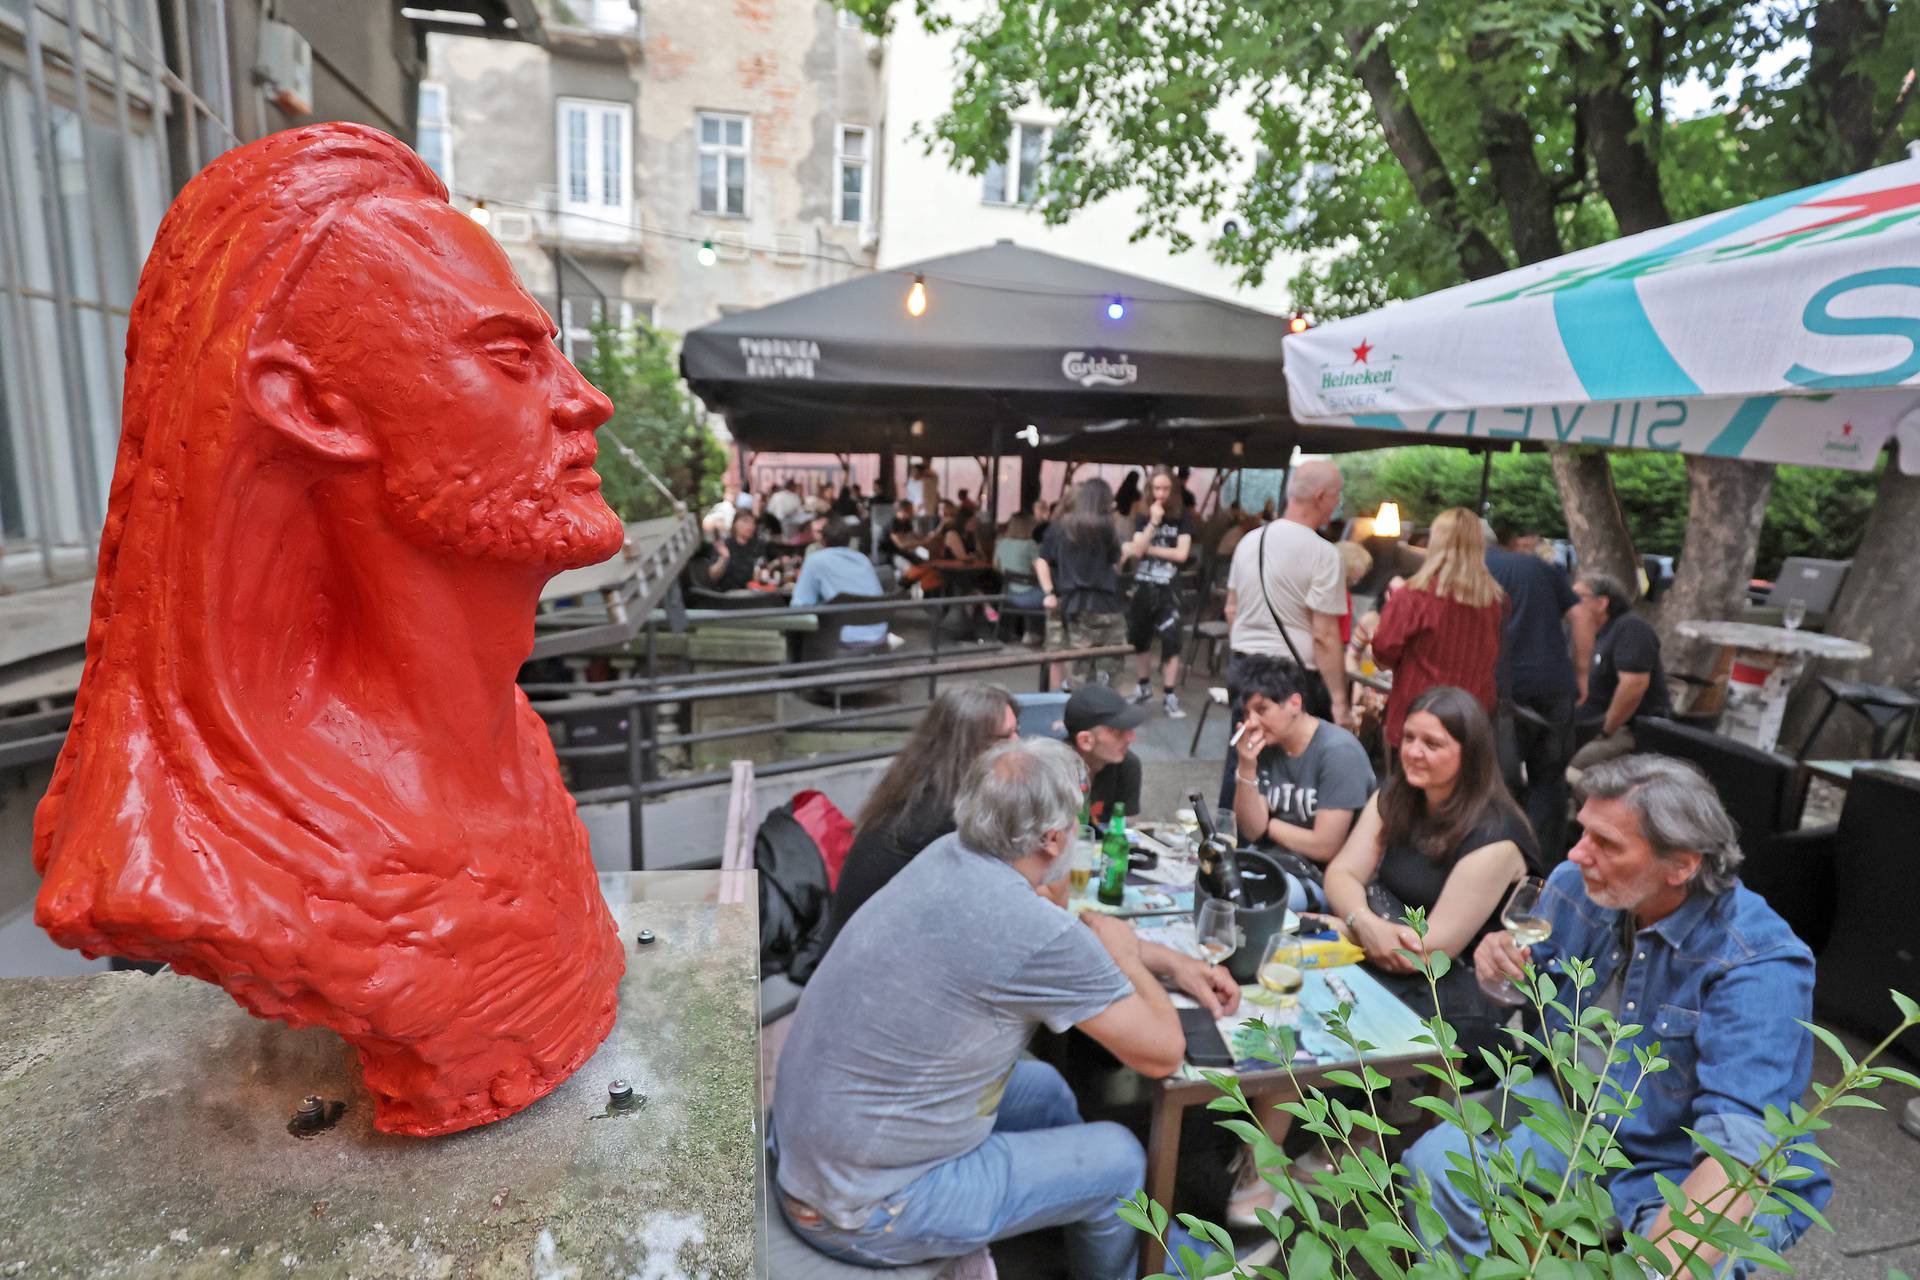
(144, 1130)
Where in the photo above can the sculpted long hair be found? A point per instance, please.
(170, 741)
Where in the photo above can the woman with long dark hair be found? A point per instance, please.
(1078, 569)
(912, 804)
(1442, 835)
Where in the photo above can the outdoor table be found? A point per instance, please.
(1766, 662)
(1840, 772)
(1379, 1018)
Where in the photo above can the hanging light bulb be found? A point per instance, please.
(1239, 448)
(1387, 523)
(1299, 323)
(705, 255)
(918, 428)
(480, 213)
(917, 297)
(1116, 309)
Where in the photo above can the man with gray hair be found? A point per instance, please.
(906, 1125)
(1702, 965)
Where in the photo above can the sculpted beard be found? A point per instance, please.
(529, 518)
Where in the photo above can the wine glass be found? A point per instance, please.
(1217, 930)
(1227, 825)
(1281, 970)
(1793, 613)
(1522, 920)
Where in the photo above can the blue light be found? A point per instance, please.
(1116, 309)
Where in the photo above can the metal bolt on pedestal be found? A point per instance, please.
(620, 1093)
(645, 937)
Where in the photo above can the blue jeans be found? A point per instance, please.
(1040, 1167)
(1466, 1229)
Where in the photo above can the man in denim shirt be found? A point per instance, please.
(1682, 949)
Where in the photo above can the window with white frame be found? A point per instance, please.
(578, 316)
(854, 166)
(436, 131)
(595, 166)
(1016, 180)
(725, 142)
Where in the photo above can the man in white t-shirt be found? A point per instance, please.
(1303, 584)
(786, 506)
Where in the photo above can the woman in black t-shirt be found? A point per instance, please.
(1078, 568)
(912, 804)
(1445, 836)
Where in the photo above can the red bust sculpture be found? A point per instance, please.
(299, 765)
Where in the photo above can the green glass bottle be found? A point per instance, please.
(1113, 875)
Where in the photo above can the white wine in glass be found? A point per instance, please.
(1281, 970)
(1521, 916)
(1523, 922)
(1217, 930)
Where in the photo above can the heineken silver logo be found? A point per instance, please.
(1099, 371)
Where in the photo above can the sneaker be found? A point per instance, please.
(1172, 705)
(1142, 693)
(1260, 1253)
(1252, 1192)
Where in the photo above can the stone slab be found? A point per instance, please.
(143, 1133)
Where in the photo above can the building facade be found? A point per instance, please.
(931, 208)
(659, 163)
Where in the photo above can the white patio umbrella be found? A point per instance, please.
(1784, 331)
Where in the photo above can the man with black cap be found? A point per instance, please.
(1100, 725)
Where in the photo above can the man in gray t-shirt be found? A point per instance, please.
(905, 1122)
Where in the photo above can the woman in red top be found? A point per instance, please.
(1444, 626)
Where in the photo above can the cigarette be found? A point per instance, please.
(1238, 734)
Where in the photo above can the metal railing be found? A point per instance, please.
(643, 697)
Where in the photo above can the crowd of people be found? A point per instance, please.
(908, 1124)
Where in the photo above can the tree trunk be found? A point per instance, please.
(1407, 138)
(1523, 188)
(1595, 522)
(1629, 177)
(1840, 84)
(1726, 502)
(1876, 606)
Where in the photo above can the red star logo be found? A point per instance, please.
(1361, 352)
(1846, 428)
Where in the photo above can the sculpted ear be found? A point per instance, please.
(282, 389)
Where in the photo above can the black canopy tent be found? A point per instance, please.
(1010, 337)
(1103, 366)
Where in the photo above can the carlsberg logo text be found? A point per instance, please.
(1092, 371)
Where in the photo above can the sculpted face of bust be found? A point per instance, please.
(299, 765)
(481, 429)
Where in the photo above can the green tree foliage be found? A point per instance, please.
(1538, 120)
(1812, 511)
(655, 420)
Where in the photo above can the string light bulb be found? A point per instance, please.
(1299, 323)
(1116, 309)
(918, 428)
(480, 213)
(705, 254)
(917, 297)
